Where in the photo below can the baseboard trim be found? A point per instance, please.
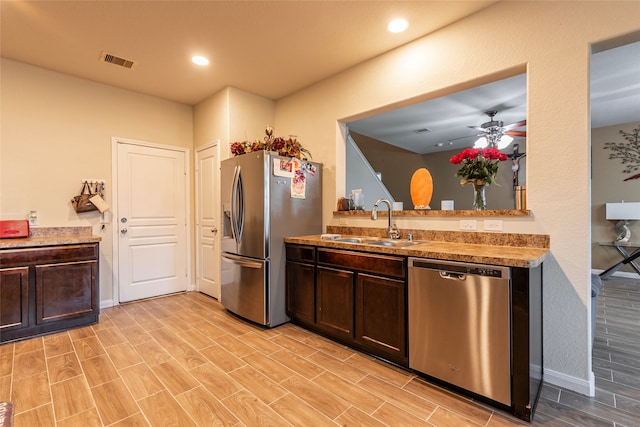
(587, 388)
(106, 303)
(622, 274)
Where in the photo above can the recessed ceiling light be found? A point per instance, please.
(397, 25)
(200, 60)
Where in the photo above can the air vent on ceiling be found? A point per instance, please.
(423, 130)
(112, 59)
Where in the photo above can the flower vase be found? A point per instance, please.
(479, 197)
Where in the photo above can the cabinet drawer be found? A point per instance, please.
(301, 253)
(48, 255)
(370, 263)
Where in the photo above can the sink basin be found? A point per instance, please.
(396, 243)
(377, 241)
(357, 239)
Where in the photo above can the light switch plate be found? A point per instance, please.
(468, 224)
(493, 224)
(105, 217)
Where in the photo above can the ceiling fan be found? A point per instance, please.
(495, 134)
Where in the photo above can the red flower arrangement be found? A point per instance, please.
(479, 166)
(290, 147)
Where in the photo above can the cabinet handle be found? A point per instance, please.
(123, 231)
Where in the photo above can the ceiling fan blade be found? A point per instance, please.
(516, 125)
(478, 128)
(516, 133)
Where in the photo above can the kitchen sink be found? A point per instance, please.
(357, 239)
(377, 241)
(396, 243)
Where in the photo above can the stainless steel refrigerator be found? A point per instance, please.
(265, 198)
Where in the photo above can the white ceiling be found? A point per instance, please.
(269, 48)
(275, 48)
(448, 118)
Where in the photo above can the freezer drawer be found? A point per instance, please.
(243, 289)
(459, 325)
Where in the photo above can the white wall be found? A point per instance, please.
(57, 129)
(550, 41)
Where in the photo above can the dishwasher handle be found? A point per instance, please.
(452, 276)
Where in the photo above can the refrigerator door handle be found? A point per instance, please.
(242, 261)
(237, 205)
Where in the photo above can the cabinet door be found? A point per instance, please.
(334, 299)
(300, 291)
(66, 290)
(380, 316)
(14, 298)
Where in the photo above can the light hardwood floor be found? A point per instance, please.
(182, 360)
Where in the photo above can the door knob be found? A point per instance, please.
(214, 230)
(123, 231)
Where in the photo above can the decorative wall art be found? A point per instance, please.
(628, 152)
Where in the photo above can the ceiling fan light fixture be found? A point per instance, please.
(503, 143)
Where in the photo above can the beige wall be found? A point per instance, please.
(57, 129)
(396, 165)
(608, 186)
(550, 41)
(232, 115)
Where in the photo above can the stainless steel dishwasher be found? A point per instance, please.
(459, 325)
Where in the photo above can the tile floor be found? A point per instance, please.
(182, 360)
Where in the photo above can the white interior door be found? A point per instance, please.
(207, 221)
(151, 221)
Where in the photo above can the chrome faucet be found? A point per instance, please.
(393, 232)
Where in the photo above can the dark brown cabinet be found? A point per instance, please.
(357, 298)
(300, 283)
(14, 298)
(381, 314)
(334, 302)
(300, 295)
(47, 289)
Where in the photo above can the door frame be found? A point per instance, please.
(115, 285)
(214, 144)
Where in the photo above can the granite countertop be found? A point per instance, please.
(512, 250)
(52, 236)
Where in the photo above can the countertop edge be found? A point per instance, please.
(524, 257)
(35, 242)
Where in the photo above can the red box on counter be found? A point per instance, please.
(12, 229)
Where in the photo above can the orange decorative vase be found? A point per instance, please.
(421, 188)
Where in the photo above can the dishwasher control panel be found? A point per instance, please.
(474, 269)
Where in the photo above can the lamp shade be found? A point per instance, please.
(623, 211)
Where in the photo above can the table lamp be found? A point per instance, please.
(623, 213)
